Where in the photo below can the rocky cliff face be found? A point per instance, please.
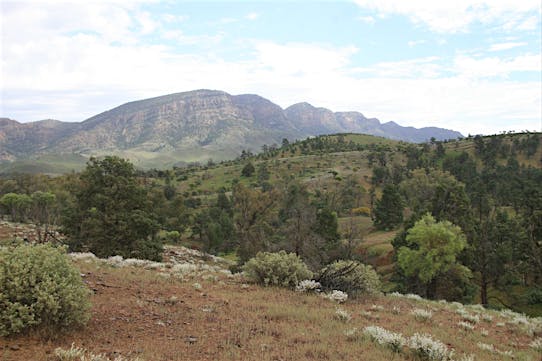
(188, 126)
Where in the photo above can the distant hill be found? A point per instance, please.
(191, 126)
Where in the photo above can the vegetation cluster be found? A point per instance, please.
(465, 215)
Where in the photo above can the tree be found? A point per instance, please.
(248, 170)
(252, 209)
(43, 213)
(298, 216)
(492, 249)
(388, 211)
(440, 194)
(432, 250)
(111, 215)
(17, 205)
(263, 173)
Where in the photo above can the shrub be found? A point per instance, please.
(465, 326)
(351, 277)
(537, 345)
(337, 296)
(362, 211)
(425, 348)
(421, 315)
(308, 286)
(342, 315)
(40, 289)
(393, 341)
(277, 269)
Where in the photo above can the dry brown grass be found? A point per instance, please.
(137, 312)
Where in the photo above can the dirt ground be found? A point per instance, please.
(149, 317)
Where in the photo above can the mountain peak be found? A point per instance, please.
(192, 126)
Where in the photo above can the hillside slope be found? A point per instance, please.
(191, 126)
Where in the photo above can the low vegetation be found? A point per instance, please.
(40, 290)
(162, 316)
(277, 269)
(325, 219)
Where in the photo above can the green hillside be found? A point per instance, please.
(357, 196)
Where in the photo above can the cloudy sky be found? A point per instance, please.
(473, 66)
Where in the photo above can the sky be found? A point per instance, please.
(472, 66)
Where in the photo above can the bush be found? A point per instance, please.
(362, 211)
(426, 348)
(351, 277)
(40, 289)
(277, 269)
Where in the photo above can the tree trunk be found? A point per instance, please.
(483, 290)
(431, 290)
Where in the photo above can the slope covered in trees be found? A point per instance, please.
(329, 198)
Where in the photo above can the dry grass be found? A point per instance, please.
(141, 313)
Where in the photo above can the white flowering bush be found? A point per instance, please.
(486, 347)
(352, 334)
(342, 315)
(477, 307)
(82, 256)
(470, 317)
(337, 296)
(528, 325)
(421, 315)
(308, 286)
(393, 341)
(536, 345)
(71, 354)
(39, 287)
(492, 349)
(426, 348)
(277, 269)
(80, 354)
(486, 317)
(352, 277)
(408, 296)
(465, 326)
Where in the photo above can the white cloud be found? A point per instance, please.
(427, 67)
(506, 46)
(471, 67)
(90, 60)
(295, 58)
(367, 19)
(458, 15)
(413, 43)
(252, 16)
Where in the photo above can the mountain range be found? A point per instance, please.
(185, 127)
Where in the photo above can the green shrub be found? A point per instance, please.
(40, 288)
(352, 277)
(277, 269)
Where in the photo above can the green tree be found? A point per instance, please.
(248, 170)
(432, 250)
(17, 205)
(492, 249)
(388, 210)
(298, 216)
(263, 173)
(43, 213)
(252, 219)
(440, 194)
(111, 215)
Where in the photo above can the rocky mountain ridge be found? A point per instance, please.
(191, 126)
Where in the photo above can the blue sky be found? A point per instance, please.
(472, 66)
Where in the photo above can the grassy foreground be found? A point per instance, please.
(193, 309)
